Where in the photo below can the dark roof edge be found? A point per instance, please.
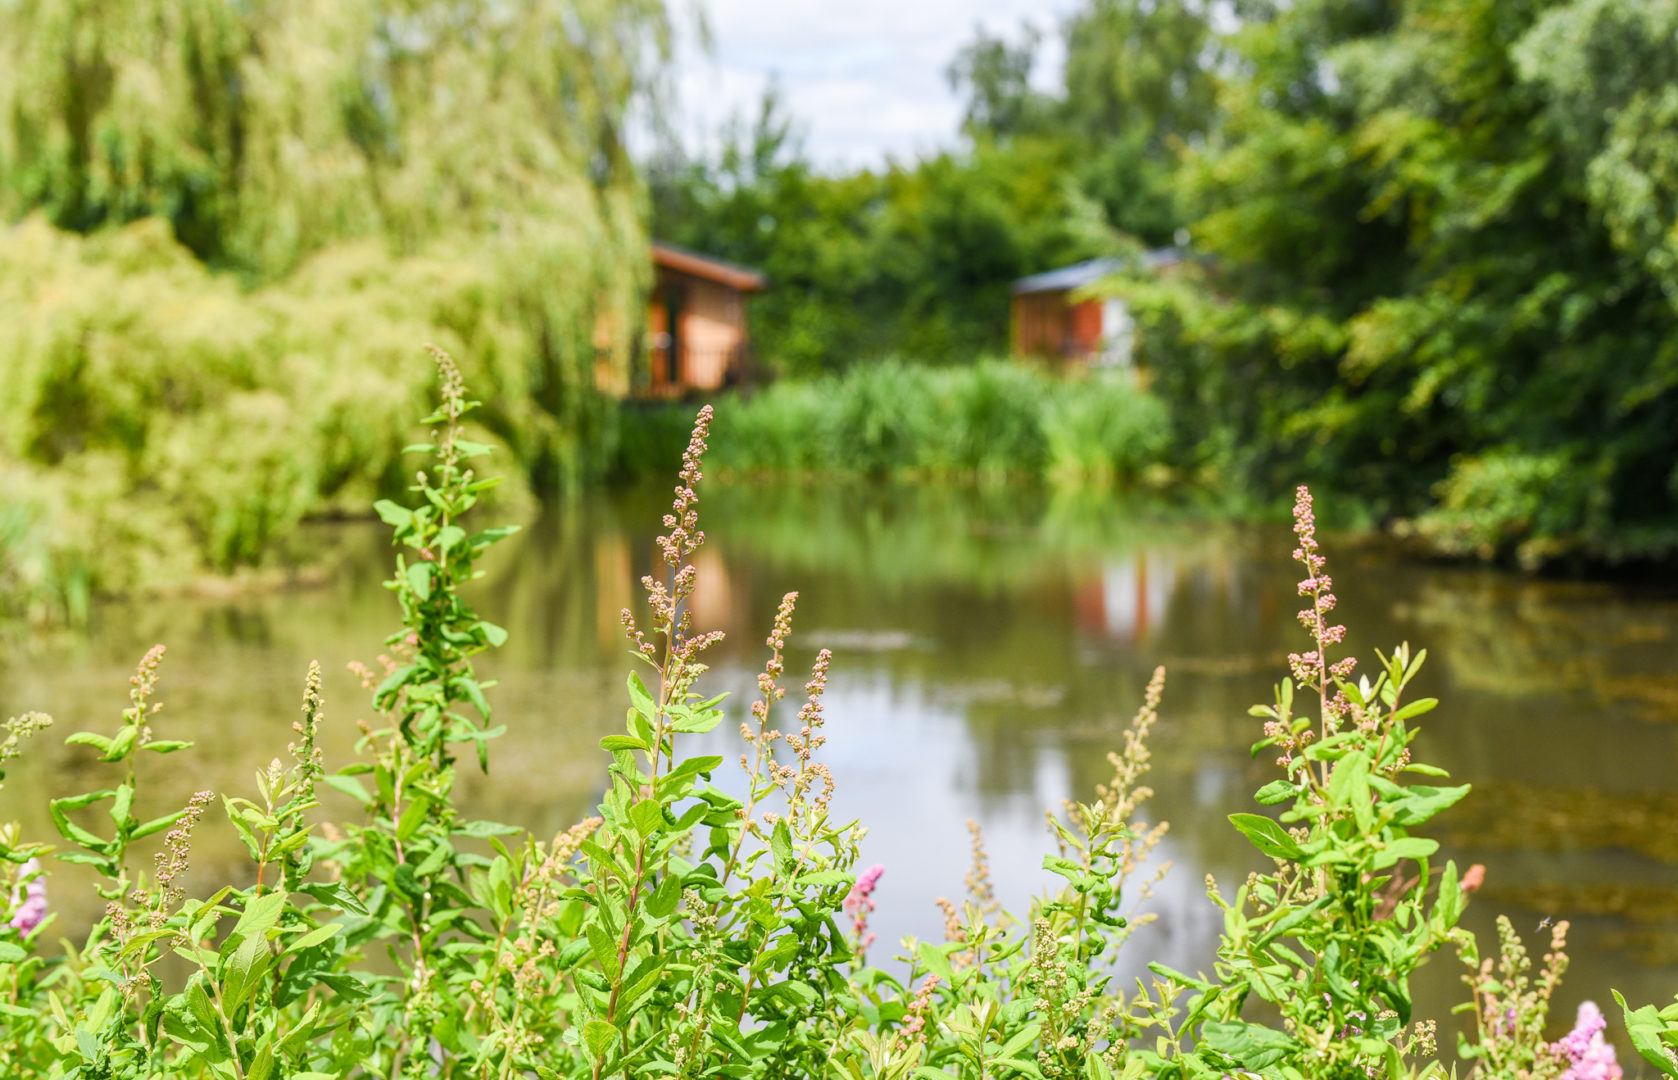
(672, 257)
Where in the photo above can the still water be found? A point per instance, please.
(990, 647)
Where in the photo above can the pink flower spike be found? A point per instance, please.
(859, 902)
(29, 902)
(1590, 1056)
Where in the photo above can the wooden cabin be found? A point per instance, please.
(1054, 319)
(697, 337)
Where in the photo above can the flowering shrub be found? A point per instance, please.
(684, 931)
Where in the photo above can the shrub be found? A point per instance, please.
(1531, 506)
(992, 420)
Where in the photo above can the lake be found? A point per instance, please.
(990, 648)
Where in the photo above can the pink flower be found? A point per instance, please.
(860, 901)
(29, 902)
(1590, 1056)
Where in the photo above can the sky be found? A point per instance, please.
(863, 78)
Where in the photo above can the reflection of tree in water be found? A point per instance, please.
(1596, 643)
(1526, 817)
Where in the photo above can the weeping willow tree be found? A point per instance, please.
(225, 217)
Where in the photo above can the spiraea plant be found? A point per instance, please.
(1329, 938)
(698, 927)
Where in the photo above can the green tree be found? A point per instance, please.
(994, 75)
(1139, 89)
(225, 221)
(1442, 225)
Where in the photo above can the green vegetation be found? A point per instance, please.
(687, 931)
(1436, 238)
(992, 420)
(1445, 233)
(225, 225)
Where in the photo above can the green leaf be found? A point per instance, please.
(350, 786)
(694, 722)
(88, 738)
(1420, 803)
(694, 765)
(1255, 1047)
(167, 746)
(933, 958)
(639, 697)
(1416, 708)
(1409, 847)
(485, 829)
(11, 953)
(413, 816)
(313, 937)
(647, 816)
(662, 903)
(1644, 1026)
(1277, 791)
(447, 537)
(1266, 835)
(262, 1066)
(392, 514)
(1020, 1040)
(495, 635)
(59, 808)
(122, 804)
(245, 969)
(780, 841)
(605, 950)
(485, 537)
(261, 914)
(1178, 977)
(601, 1037)
(418, 575)
(623, 742)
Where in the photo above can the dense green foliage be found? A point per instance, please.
(1446, 227)
(991, 420)
(690, 930)
(203, 205)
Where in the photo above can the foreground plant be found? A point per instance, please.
(688, 931)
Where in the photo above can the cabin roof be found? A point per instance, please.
(671, 257)
(1090, 271)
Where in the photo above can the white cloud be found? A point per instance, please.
(863, 78)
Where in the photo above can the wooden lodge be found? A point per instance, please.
(1055, 319)
(697, 336)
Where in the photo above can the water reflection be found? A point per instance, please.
(991, 646)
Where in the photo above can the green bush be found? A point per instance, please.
(158, 421)
(1508, 503)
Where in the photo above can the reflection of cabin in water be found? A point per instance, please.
(1054, 320)
(696, 323)
(1127, 597)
